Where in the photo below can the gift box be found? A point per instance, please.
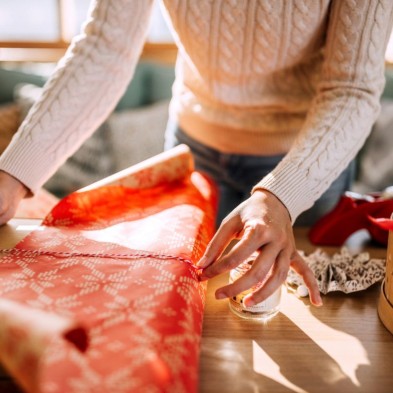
(104, 296)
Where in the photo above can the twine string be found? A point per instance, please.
(135, 254)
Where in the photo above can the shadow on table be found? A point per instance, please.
(290, 355)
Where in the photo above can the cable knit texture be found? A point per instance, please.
(252, 77)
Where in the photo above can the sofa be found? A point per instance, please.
(144, 107)
(114, 145)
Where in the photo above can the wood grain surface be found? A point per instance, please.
(340, 347)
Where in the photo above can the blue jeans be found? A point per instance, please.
(236, 174)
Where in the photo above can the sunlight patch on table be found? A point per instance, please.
(330, 340)
(263, 364)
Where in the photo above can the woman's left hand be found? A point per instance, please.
(261, 223)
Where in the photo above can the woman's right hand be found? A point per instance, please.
(12, 191)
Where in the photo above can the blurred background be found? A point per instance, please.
(35, 35)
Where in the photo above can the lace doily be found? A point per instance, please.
(342, 271)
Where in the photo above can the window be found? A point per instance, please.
(19, 22)
(42, 30)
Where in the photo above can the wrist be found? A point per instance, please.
(11, 182)
(271, 199)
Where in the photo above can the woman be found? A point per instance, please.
(275, 98)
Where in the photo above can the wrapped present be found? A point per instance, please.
(115, 263)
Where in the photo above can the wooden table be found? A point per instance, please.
(340, 347)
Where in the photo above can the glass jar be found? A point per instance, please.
(262, 311)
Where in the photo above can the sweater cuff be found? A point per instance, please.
(289, 186)
(26, 165)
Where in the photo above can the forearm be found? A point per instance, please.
(326, 146)
(344, 109)
(85, 87)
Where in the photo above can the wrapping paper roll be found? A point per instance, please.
(119, 262)
(25, 335)
(169, 166)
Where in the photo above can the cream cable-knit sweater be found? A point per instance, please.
(256, 76)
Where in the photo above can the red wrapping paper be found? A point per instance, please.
(119, 263)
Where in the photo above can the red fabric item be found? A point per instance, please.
(351, 214)
(119, 263)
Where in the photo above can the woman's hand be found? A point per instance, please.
(262, 224)
(12, 191)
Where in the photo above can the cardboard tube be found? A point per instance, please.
(171, 165)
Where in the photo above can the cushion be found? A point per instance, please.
(91, 162)
(25, 94)
(375, 169)
(125, 138)
(10, 78)
(137, 134)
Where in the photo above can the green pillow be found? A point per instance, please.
(10, 78)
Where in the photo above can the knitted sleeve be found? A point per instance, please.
(85, 87)
(345, 106)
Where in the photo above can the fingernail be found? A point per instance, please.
(220, 295)
(249, 302)
(202, 262)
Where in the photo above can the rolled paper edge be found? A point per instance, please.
(26, 334)
(171, 165)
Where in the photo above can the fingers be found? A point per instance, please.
(257, 274)
(263, 224)
(300, 266)
(6, 211)
(250, 242)
(274, 281)
(220, 241)
(278, 267)
(4, 218)
(11, 192)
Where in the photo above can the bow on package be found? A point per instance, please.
(104, 296)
